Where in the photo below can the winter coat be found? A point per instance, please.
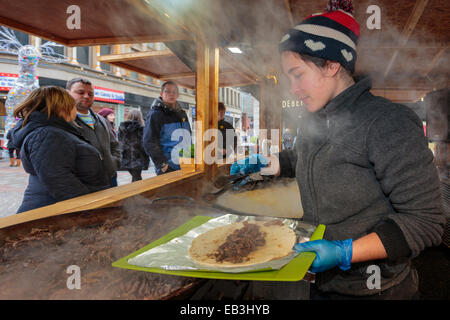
(229, 140)
(132, 153)
(363, 165)
(166, 131)
(10, 143)
(102, 138)
(61, 163)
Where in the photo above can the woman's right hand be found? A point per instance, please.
(164, 169)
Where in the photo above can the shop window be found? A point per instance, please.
(83, 55)
(56, 49)
(21, 36)
(2, 107)
(105, 50)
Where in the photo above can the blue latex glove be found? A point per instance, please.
(329, 254)
(253, 163)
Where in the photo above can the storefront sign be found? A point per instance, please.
(109, 95)
(291, 104)
(8, 80)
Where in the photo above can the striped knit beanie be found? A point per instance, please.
(332, 35)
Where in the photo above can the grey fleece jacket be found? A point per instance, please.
(363, 165)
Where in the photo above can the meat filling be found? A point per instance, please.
(240, 244)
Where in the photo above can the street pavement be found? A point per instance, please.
(14, 180)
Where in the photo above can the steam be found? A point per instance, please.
(279, 199)
(36, 268)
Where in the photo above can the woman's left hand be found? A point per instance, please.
(329, 254)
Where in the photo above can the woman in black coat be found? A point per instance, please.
(132, 154)
(61, 163)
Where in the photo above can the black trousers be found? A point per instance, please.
(11, 153)
(135, 174)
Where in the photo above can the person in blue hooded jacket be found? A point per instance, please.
(62, 164)
(167, 130)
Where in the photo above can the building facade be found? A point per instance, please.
(115, 88)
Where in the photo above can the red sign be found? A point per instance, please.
(8, 80)
(109, 95)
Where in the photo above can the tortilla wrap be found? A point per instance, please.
(279, 243)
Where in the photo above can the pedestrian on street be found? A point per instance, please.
(110, 118)
(13, 161)
(62, 164)
(109, 115)
(132, 154)
(94, 127)
(228, 144)
(166, 128)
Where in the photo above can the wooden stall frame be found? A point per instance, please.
(207, 96)
(101, 199)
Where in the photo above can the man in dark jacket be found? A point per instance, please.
(228, 144)
(93, 127)
(167, 130)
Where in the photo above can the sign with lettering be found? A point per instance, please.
(291, 103)
(109, 95)
(7, 80)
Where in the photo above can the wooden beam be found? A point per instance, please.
(207, 97)
(413, 19)
(122, 57)
(213, 103)
(434, 45)
(178, 76)
(33, 31)
(127, 40)
(287, 5)
(202, 99)
(400, 95)
(242, 83)
(435, 61)
(101, 198)
(366, 45)
(135, 69)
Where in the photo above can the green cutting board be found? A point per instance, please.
(295, 270)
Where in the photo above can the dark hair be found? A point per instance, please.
(221, 106)
(321, 63)
(170, 82)
(71, 82)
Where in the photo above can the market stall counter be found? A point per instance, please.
(42, 259)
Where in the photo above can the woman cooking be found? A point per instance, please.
(362, 165)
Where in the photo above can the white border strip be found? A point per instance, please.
(326, 32)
